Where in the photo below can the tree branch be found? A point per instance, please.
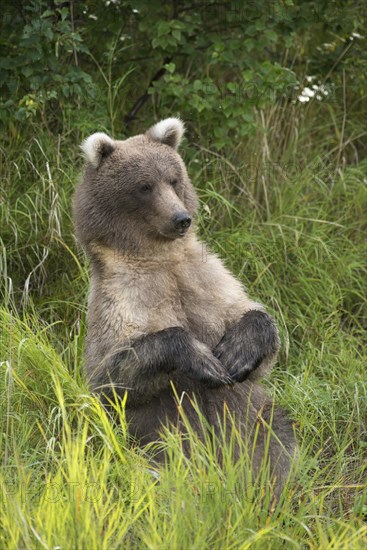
(144, 98)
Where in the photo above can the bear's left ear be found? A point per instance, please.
(168, 131)
(97, 147)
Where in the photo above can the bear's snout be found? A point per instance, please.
(181, 222)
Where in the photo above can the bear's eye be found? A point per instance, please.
(145, 188)
(174, 182)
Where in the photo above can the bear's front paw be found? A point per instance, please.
(204, 366)
(248, 344)
(214, 374)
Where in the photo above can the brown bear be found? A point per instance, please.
(162, 310)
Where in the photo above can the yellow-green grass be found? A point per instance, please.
(294, 232)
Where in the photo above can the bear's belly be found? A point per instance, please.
(241, 402)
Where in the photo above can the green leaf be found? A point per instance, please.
(176, 34)
(163, 28)
(170, 67)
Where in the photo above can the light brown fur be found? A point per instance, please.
(145, 280)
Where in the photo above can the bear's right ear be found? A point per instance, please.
(168, 131)
(97, 147)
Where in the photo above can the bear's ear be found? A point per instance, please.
(97, 147)
(168, 131)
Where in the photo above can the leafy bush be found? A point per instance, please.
(39, 69)
(218, 62)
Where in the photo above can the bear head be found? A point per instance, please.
(134, 191)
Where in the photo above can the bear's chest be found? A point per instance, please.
(199, 302)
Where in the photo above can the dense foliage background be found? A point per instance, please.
(273, 94)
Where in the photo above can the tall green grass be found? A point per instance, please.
(289, 219)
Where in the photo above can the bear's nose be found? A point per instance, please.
(181, 220)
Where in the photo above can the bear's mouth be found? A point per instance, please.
(178, 234)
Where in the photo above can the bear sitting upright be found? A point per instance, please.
(160, 311)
